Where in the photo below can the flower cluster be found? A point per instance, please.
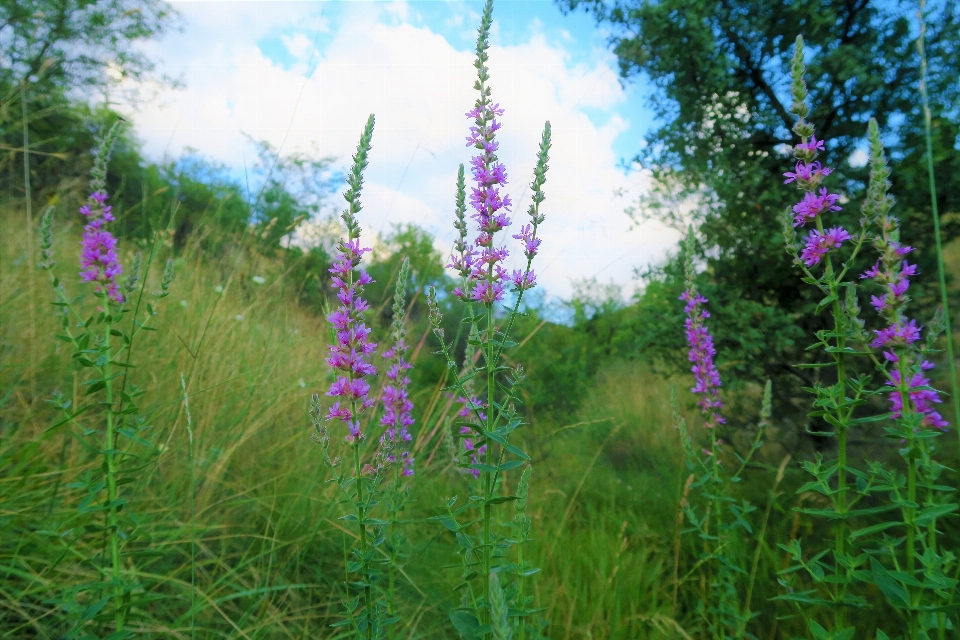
(819, 243)
(922, 397)
(397, 407)
(98, 255)
(482, 263)
(349, 354)
(892, 273)
(817, 201)
(701, 355)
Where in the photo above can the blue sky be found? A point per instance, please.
(304, 76)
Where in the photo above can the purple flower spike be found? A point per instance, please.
(489, 206)
(350, 351)
(807, 175)
(813, 205)
(897, 335)
(397, 407)
(921, 399)
(99, 261)
(523, 281)
(701, 354)
(819, 244)
(810, 148)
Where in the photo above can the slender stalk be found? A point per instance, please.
(944, 300)
(28, 200)
(841, 501)
(393, 550)
(193, 513)
(488, 477)
(111, 460)
(910, 513)
(718, 543)
(362, 514)
(520, 598)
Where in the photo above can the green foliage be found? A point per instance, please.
(914, 581)
(121, 439)
(77, 43)
(721, 70)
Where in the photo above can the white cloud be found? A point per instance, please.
(378, 59)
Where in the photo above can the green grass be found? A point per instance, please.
(263, 555)
(266, 545)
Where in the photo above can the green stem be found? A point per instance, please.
(362, 515)
(488, 477)
(944, 301)
(393, 549)
(193, 513)
(719, 632)
(520, 599)
(841, 501)
(28, 200)
(910, 514)
(110, 459)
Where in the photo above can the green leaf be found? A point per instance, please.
(866, 531)
(96, 386)
(895, 593)
(449, 523)
(70, 417)
(465, 623)
(517, 451)
(512, 464)
(928, 514)
(826, 302)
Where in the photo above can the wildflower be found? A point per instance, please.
(809, 149)
(523, 281)
(351, 348)
(892, 273)
(397, 407)
(807, 175)
(813, 205)
(921, 398)
(99, 261)
(701, 354)
(530, 243)
(819, 244)
(900, 334)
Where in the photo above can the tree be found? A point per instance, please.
(720, 73)
(74, 44)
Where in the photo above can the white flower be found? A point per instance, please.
(259, 279)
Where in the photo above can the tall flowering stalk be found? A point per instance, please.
(350, 362)
(490, 422)
(925, 588)
(717, 518)
(835, 403)
(103, 345)
(395, 453)
(912, 579)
